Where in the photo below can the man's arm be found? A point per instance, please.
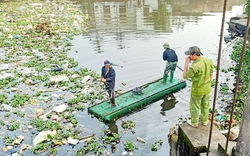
(102, 75)
(165, 55)
(185, 69)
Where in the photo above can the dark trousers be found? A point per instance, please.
(111, 93)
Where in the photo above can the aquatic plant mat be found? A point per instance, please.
(41, 89)
(43, 92)
(135, 98)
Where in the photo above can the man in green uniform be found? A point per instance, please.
(200, 72)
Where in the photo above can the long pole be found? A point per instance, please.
(217, 75)
(237, 80)
(179, 68)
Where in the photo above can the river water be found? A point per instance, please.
(130, 33)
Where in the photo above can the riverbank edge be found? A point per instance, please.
(179, 144)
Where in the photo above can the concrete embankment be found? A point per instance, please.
(194, 141)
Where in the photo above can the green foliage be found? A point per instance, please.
(90, 146)
(7, 115)
(39, 148)
(224, 89)
(53, 151)
(129, 146)
(73, 101)
(110, 137)
(212, 83)
(247, 9)
(38, 93)
(53, 125)
(38, 123)
(60, 98)
(8, 140)
(154, 146)
(72, 119)
(244, 78)
(70, 109)
(128, 125)
(5, 82)
(2, 123)
(19, 114)
(80, 107)
(14, 125)
(18, 100)
(224, 70)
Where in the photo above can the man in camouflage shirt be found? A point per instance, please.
(171, 59)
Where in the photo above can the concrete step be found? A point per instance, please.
(197, 140)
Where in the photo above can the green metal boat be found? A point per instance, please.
(134, 98)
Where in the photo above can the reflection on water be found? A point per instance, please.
(113, 127)
(111, 20)
(168, 103)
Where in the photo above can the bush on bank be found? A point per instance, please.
(244, 76)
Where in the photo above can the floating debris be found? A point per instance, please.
(60, 108)
(43, 136)
(72, 141)
(140, 140)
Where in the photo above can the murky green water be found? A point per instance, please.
(130, 33)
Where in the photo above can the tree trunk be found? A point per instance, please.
(243, 144)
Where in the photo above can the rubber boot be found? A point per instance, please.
(164, 79)
(171, 77)
(112, 100)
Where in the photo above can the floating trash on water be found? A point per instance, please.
(124, 84)
(57, 68)
(140, 140)
(72, 141)
(60, 108)
(44, 97)
(17, 36)
(138, 91)
(59, 78)
(76, 69)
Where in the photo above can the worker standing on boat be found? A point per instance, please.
(201, 72)
(108, 77)
(170, 56)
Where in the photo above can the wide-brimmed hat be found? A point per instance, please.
(193, 50)
(166, 45)
(106, 62)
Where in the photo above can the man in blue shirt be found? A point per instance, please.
(170, 56)
(108, 77)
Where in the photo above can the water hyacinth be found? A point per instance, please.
(36, 74)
